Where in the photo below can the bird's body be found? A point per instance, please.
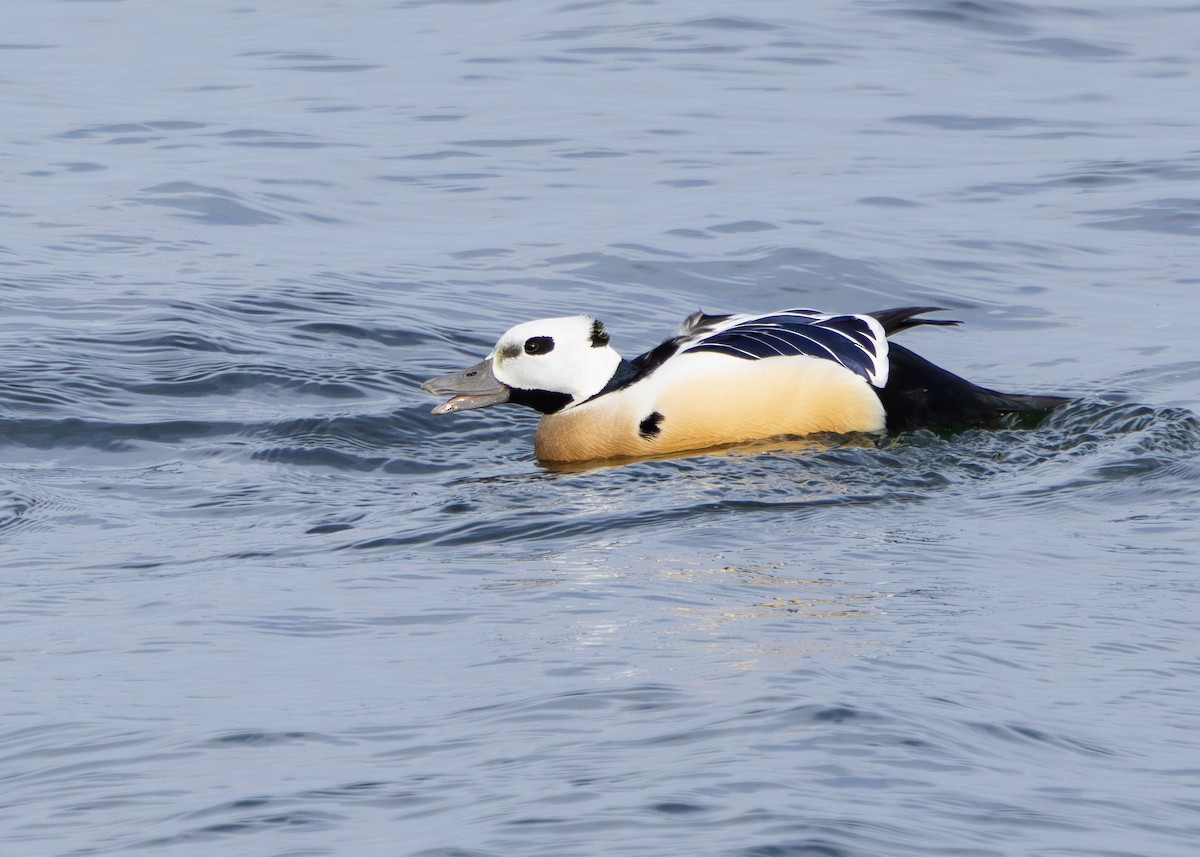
(707, 400)
(721, 380)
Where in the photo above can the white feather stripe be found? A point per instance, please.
(796, 339)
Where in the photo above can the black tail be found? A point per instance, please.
(920, 394)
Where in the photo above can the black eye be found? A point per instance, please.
(539, 345)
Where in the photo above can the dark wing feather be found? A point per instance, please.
(902, 318)
(849, 340)
(700, 322)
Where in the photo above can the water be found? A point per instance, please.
(259, 602)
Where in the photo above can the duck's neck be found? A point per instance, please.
(625, 372)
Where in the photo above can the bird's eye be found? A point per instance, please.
(539, 345)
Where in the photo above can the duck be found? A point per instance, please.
(722, 380)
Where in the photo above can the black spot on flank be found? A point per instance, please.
(599, 335)
(539, 345)
(649, 428)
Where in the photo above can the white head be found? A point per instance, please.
(550, 365)
(569, 356)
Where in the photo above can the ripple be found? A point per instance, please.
(997, 18)
(115, 437)
(209, 205)
(225, 378)
(1066, 48)
(1019, 734)
(743, 226)
(119, 132)
(1171, 216)
(246, 823)
(269, 739)
(732, 24)
(16, 509)
(963, 122)
(258, 137)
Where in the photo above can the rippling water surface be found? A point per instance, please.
(258, 601)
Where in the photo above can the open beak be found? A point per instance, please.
(474, 387)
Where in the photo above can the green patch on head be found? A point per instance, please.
(599, 334)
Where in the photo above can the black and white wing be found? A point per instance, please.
(857, 342)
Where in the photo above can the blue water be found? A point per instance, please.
(258, 601)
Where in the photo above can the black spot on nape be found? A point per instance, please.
(599, 335)
(649, 427)
(539, 345)
(646, 363)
